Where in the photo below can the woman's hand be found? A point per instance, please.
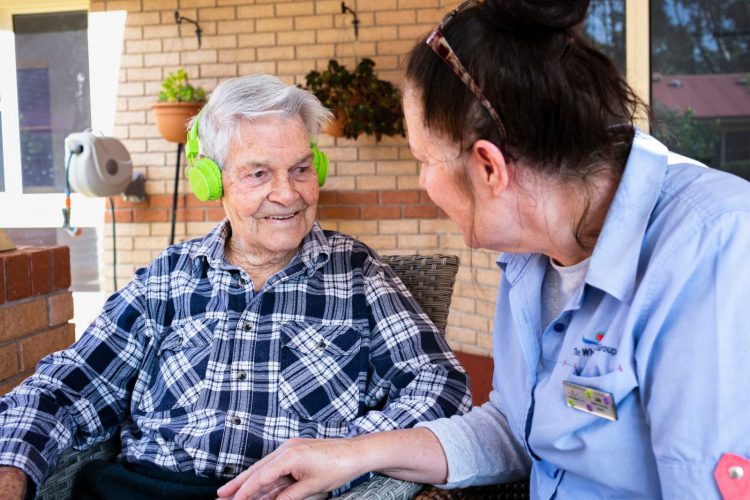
(298, 469)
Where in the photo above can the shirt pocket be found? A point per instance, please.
(320, 370)
(176, 374)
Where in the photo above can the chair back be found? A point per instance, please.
(430, 280)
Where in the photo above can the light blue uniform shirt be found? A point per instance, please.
(668, 295)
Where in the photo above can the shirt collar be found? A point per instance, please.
(614, 262)
(314, 253)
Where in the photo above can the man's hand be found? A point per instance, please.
(12, 483)
(299, 469)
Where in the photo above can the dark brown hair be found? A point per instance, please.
(566, 109)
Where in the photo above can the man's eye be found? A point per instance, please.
(302, 170)
(257, 174)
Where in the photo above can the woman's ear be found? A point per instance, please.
(488, 166)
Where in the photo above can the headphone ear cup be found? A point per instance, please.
(205, 179)
(320, 163)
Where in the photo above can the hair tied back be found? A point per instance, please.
(536, 17)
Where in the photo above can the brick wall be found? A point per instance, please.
(35, 307)
(372, 191)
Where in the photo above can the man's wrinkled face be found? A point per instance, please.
(270, 186)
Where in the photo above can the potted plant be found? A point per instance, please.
(361, 102)
(178, 102)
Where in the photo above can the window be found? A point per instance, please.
(700, 81)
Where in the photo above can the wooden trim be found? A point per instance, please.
(638, 52)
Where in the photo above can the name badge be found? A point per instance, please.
(590, 400)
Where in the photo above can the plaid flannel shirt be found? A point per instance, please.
(205, 375)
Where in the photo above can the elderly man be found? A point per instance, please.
(266, 329)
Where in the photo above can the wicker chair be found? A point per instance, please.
(430, 280)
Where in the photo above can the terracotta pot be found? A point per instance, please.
(336, 125)
(172, 118)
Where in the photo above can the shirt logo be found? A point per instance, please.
(596, 345)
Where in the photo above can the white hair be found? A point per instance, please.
(249, 98)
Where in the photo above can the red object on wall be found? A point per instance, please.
(732, 474)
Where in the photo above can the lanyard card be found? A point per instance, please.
(590, 400)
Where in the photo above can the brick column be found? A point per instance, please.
(35, 308)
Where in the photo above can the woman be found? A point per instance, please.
(621, 331)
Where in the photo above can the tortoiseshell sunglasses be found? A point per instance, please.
(442, 48)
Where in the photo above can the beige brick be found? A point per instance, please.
(429, 16)
(355, 168)
(199, 56)
(461, 335)
(367, 182)
(292, 68)
(142, 46)
(401, 16)
(359, 227)
(143, 18)
(255, 11)
(237, 55)
(372, 5)
(398, 167)
(123, 243)
(187, 4)
(391, 47)
(148, 159)
(165, 229)
(128, 117)
(257, 67)
(161, 60)
(297, 8)
(408, 183)
(171, 5)
(351, 49)
(130, 89)
(341, 183)
(474, 321)
(131, 61)
(380, 242)
(235, 27)
(297, 37)
(220, 42)
(378, 153)
(398, 227)
(322, 21)
(8, 361)
(275, 53)
(256, 40)
(219, 70)
(161, 31)
(329, 225)
(328, 6)
(216, 14)
(428, 4)
(420, 241)
(414, 32)
(274, 24)
(133, 33)
(342, 153)
(128, 5)
(150, 243)
(143, 74)
(306, 52)
(378, 33)
(200, 228)
(333, 36)
(60, 308)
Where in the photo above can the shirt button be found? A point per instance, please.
(236, 420)
(559, 327)
(242, 375)
(246, 326)
(736, 472)
(321, 345)
(242, 281)
(229, 469)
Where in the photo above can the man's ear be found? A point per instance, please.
(489, 166)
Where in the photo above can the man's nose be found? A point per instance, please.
(283, 190)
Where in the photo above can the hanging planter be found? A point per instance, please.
(178, 102)
(172, 118)
(336, 125)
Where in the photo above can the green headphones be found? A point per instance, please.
(204, 175)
